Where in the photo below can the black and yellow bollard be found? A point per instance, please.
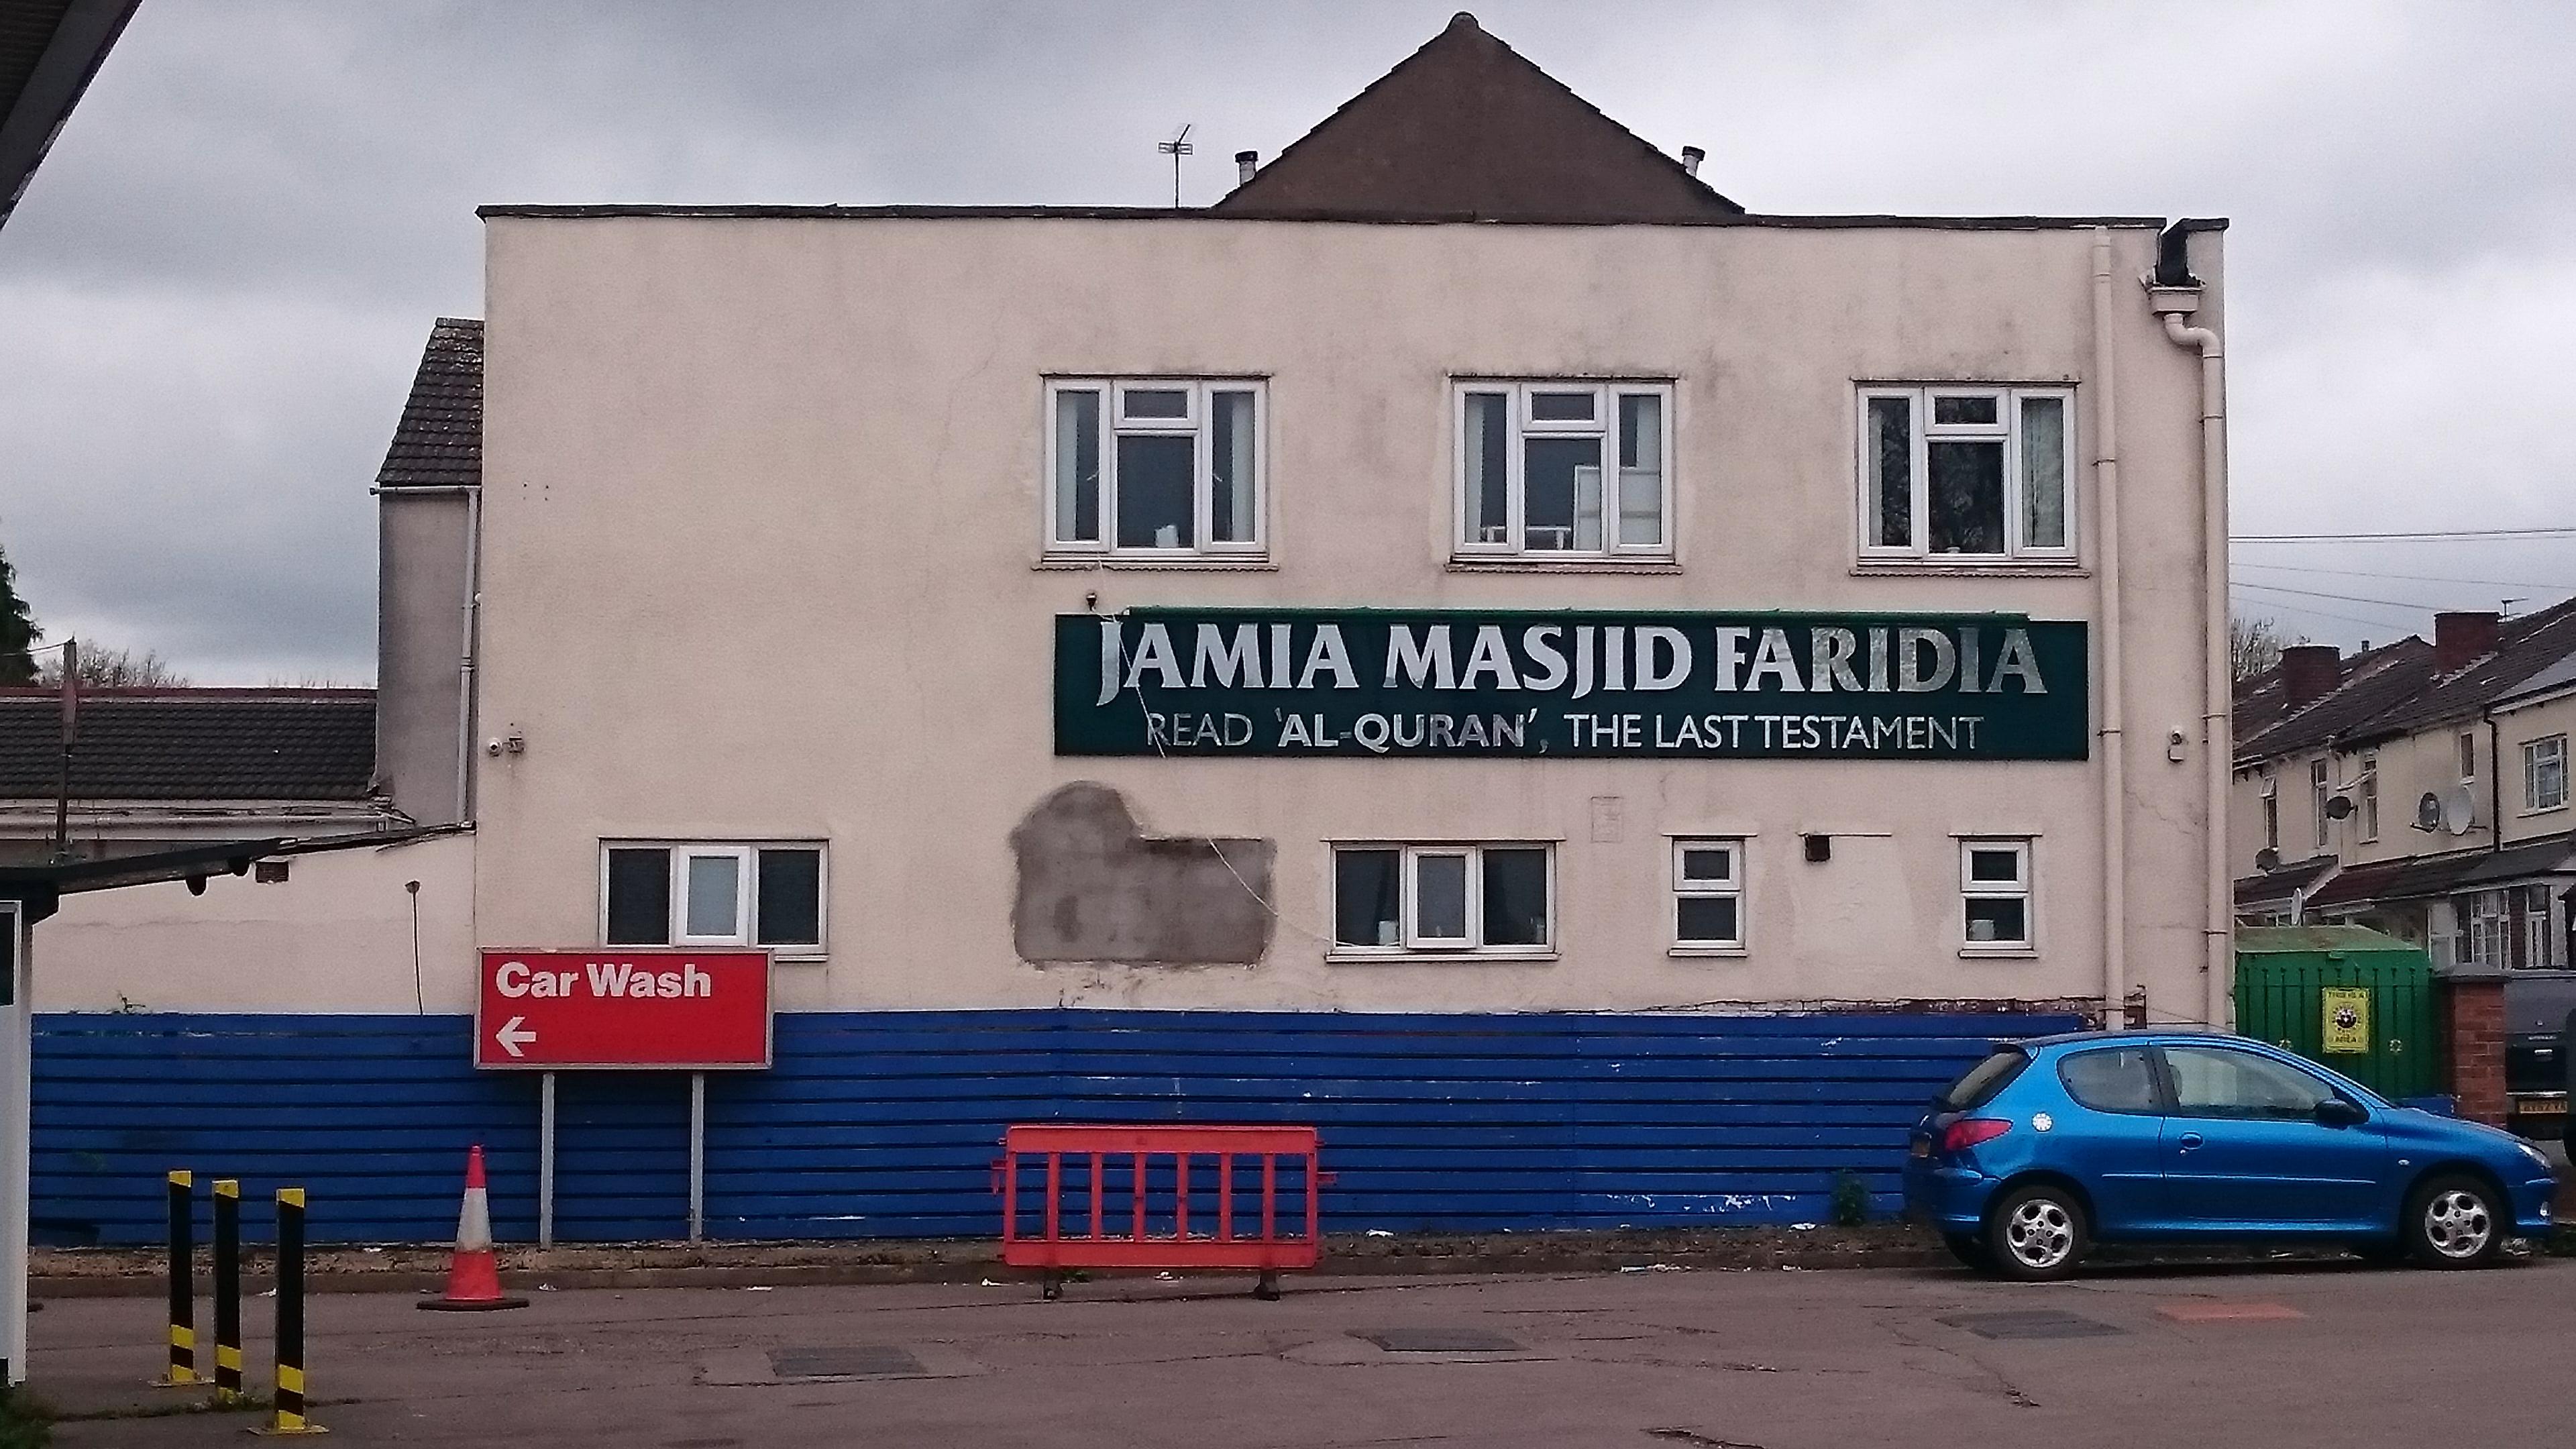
(288, 1416)
(183, 1284)
(228, 1363)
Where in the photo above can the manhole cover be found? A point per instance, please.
(1442, 1340)
(864, 1361)
(2038, 1324)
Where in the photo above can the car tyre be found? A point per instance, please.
(1970, 1250)
(2455, 1221)
(2037, 1233)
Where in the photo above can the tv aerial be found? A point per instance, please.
(1176, 148)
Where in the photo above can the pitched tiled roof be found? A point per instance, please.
(2524, 647)
(2281, 882)
(2374, 682)
(439, 442)
(2423, 876)
(193, 744)
(1466, 128)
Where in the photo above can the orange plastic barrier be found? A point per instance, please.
(1128, 1190)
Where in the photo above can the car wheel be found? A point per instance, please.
(2037, 1233)
(2455, 1222)
(1970, 1250)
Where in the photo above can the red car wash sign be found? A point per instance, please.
(618, 1007)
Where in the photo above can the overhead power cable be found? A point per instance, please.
(2410, 578)
(2420, 535)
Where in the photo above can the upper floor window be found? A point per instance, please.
(711, 894)
(2271, 811)
(2467, 748)
(2544, 773)
(2320, 790)
(2367, 793)
(1564, 470)
(1967, 473)
(1154, 468)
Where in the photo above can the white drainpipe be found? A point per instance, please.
(2106, 581)
(2217, 927)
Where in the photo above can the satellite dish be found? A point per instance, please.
(2339, 808)
(2428, 812)
(2460, 810)
(2267, 860)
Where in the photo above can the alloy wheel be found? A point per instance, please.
(2458, 1224)
(2040, 1233)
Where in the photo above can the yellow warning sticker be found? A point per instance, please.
(2347, 1019)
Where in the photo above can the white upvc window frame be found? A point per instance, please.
(2008, 428)
(2320, 791)
(2271, 781)
(2465, 747)
(2365, 790)
(1522, 425)
(1198, 424)
(1732, 887)
(2024, 887)
(1414, 946)
(746, 857)
(2537, 754)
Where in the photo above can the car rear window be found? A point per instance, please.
(1984, 1079)
(2120, 1079)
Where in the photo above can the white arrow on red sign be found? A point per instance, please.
(513, 1037)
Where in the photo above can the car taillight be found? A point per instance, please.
(1967, 1132)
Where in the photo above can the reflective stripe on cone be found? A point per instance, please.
(474, 1274)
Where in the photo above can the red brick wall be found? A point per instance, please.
(2473, 1045)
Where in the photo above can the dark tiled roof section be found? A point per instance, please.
(193, 744)
(2374, 683)
(1877, 221)
(2280, 884)
(439, 442)
(2524, 647)
(1466, 126)
(2422, 877)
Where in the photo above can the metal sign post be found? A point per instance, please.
(697, 1156)
(546, 1160)
(16, 973)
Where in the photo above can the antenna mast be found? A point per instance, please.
(1176, 148)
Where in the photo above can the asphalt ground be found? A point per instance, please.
(2278, 1355)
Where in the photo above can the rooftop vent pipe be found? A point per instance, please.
(1245, 163)
(1691, 157)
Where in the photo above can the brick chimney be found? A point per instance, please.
(2460, 638)
(2309, 672)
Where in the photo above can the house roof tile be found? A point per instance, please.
(439, 442)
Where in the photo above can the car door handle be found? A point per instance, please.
(2190, 1140)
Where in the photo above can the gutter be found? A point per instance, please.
(2106, 546)
(2174, 294)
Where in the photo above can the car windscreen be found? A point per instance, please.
(1984, 1080)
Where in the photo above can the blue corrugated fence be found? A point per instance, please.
(884, 1124)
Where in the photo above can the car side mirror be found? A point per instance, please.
(2336, 1112)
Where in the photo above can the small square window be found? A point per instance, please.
(1995, 895)
(1708, 896)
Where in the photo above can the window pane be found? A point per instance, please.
(1155, 402)
(791, 898)
(1562, 477)
(1561, 407)
(1888, 511)
(714, 896)
(2043, 472)
(1963, 410)
(1154, 488)
(2001, 920)
(1440, 897)
(2112, 1081)
(2213, 1082)
(1641, 469)
(1706, 921)
(1967, 496)
(1364, 897)
(1232, 510)
(1488, 467)
(1077, 467)
(639, 896)
(1516, 897)
(1708, 864)
(1994, 865)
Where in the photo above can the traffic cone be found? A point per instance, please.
(474, 1274)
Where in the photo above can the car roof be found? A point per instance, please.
(2128, 1038)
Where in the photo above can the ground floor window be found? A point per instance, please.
(1443, 899)
(1995, 894)
(1708, 896)
(692, 893)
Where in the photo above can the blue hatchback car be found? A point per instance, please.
(2053, 1144)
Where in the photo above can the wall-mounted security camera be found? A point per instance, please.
(2175, 744)
(492, 747)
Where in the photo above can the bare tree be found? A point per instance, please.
(102, 668)
(2255, 645)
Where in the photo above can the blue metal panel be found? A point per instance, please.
(883, 1124)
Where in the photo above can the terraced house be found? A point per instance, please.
(1598, 698)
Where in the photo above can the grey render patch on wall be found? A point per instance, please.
(1093, 887)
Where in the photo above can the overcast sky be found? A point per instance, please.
(214, 292)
